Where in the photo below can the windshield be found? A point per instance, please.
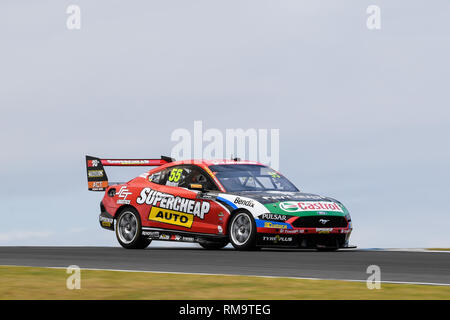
(250, 177)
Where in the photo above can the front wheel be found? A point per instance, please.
(129, 230)
(243, 231)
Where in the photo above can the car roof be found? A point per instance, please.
(214, 162)
(203, 163)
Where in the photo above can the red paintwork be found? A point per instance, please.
(211, 220)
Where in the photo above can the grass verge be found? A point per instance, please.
(47, 283)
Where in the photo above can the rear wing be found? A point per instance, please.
(96, 174)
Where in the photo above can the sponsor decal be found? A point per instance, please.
(274, 217)
(324, 230)
(175, 237)
(123, 194)
(295, 231)
(127, 162)
(97, 185)
(188, 239)
(247, 203)
(293, 196)
(272, 224)
(206, 196)
(171, 217)
(93, 163)
(220, 229)
(277, 239)
(178, 205)
(293, 206)
(164, 237)
(152, 234)
(95, 173)
(172, 184)
(275, 225)
(106, 222)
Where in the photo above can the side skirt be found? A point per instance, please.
(180, 236)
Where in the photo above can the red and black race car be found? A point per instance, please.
(213, 203)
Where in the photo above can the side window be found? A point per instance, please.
(182, 176)
(159, 177)
(199, 176)
(176, 176)
(155, 177)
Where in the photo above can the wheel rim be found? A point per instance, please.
(241, 229)
(127, 227)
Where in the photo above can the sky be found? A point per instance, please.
(363, 114)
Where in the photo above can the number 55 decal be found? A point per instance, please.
(175, 175)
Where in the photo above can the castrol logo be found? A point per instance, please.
(303, 206)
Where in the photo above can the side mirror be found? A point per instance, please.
(196, 186)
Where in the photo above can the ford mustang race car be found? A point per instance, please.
(213, 203)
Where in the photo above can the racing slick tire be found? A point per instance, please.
(242, 231)
(129, 230)
(213, 245)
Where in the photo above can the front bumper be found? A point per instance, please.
(278, 234)
(304, 241)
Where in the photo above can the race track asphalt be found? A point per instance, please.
(397, 266)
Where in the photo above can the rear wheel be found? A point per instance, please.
(243, 231)
(129, 230)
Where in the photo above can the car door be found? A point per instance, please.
(176, 207)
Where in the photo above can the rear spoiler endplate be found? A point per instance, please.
(96, 174)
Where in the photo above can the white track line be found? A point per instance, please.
(241, 275)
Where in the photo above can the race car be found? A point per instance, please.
(214, 203)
